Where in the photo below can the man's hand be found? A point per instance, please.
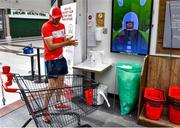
(66, 38)
(70, 41)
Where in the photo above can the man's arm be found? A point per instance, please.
(68, 42)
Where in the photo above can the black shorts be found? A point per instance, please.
(56, 68)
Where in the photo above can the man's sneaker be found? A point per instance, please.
(61, 106)
(46, 117)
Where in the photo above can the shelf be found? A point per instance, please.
(86, 67)
(163, 122)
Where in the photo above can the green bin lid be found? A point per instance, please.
(129, 66)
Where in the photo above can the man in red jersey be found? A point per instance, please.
(53, 34)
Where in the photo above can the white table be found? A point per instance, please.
(92, 68)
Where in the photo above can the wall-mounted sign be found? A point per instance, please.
(100, 19)
(69, 20)
(131, 26)
(90, 19)
(174, 30)
(19, 13)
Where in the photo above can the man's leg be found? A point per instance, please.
(60, 83)
(62, 104)
(63, 70)
(51, 88)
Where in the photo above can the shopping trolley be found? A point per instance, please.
(78, 91)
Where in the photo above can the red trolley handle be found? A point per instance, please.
(7, 89)
(6, 86)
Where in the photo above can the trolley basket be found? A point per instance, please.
(78, 91)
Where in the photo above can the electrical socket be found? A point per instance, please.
(104, 30)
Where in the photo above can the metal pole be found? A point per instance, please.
(39, 67)
(32, 67)
(2, 90)
(3, 98)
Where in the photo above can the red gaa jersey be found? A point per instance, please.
(57, 33)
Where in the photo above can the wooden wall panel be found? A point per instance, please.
(175, 74)
(159, 72)
(163, 72)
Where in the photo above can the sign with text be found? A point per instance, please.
(174, 30)
(69, 20)
(19, 13)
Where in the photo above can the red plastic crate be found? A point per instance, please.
(154, 102)
(174, 92)
(174, 104)
(89, 96)
(152, 111)
(174, 114)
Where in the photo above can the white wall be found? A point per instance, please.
(154, 28)
(39, 5)
(108, 77)
(81, 30)
(67, 1)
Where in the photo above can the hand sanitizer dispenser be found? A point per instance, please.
(98, 34)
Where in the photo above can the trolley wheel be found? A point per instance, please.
(4, 101)
(85, 125)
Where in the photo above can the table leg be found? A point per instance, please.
(92, 75)
(32, 67)
(38, 59)
(39, 67)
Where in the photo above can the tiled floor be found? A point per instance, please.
(103, 117)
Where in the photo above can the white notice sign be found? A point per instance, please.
(69, 20)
